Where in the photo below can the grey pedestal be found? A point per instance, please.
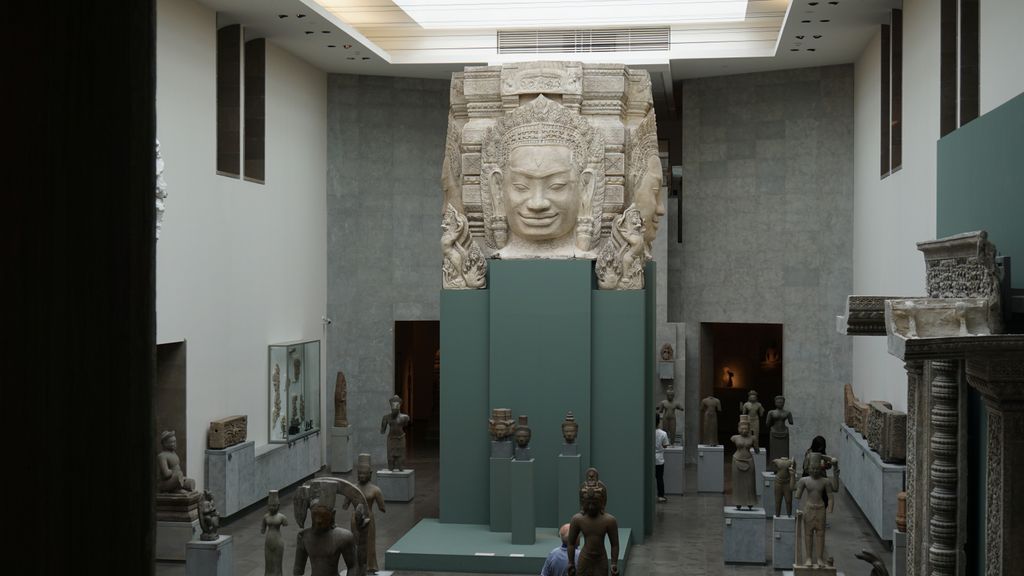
(212, 558)
(171, 538)
(899, 553)
(568, 486)
(743, 537)
(397, 485)
(499, 500)
(783, 541)
(522, 520)
(760, 459)
(341, 454)
(710, 468)
(814, 572)
(767, 491)
(675, 477)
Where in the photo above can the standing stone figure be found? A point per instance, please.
(325, 544)
(273, 544)
(711, 406)
(667, 408)
(373, 496)
(778, 441)
(744, 472)
(170, 478)
(594, 524)
(209, 520)
(340, 401)
(394, 423)
(785, 476)
(753, 409)
(810, 520)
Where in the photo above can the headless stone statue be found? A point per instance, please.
(373, 496)
(810, 520)
(711, 406)
(667, 408)
(394, 424)
(778, 431)
(594, 524)
(753, 409)
(169, 474)
(785, 477)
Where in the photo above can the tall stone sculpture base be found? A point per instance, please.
(710, 468)
(760, 465)
(500, 505)
(568, 486)
(675, 475)
(743, 536)
(341, 454)
(767, 490)
(783, 541)
(210, 558)
(171, 538)
(899, 553)
(397, 485)
(521, 493)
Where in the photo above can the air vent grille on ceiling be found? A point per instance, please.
(588, 40)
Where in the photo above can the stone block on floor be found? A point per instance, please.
(675, 473)
(210, 558)
(899, 553)
(710, 468)
(397, 485)
(743, 536)
(783, 541)
(171, 538)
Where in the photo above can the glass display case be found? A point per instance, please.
(294, 392)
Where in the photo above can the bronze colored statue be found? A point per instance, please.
(501, 425)
(209, 520)
(785, 476)
(744, 472)
(778, 441)
(273, 545)
(170, 478)
(667, 408)
(394, 423)
(594, 524)
(340, 401)
(373, 496)
(570, 428)
(810, 520)
(325, 544)
(711, 407)
(753, 409)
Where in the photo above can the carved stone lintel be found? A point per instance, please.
(865, 315)
(227, 432)
(938, 317)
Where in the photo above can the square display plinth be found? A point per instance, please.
(783, 541)
(675, 476)
(710, 468)
(209, 557)
(397, 485)
(743, 537)
(171, 538)
(340, 454)
(899, 553)
(767, 492)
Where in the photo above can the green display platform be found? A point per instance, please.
(433, 546)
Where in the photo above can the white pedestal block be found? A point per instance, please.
(743, 537)
(768, 492)
(899, 553)
(760, 458)
(341, 454)
(397, 485)
(710, 468)
(171, 538)
(872, 483)
(783, 540)
(675, 476)
(209, 558)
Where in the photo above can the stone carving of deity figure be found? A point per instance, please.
(373, 496)
(340, 400)
(711, 407)
(667, 408)
(785, 476)
(594, 524)
(209, 519)
(542, 181)
(273, 544)
(753, 408)
(620, 266)
(170, 478)
(778, 432)
(325, 544)
(644, 176)
(394, 423)
(464, 265)
(810, 519)
(744, 472)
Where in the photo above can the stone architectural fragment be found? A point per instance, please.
(227, 432)
(340, 400)
(873, 423)
(855, 411)
(964, 266)
(893, 446)
(620, 265)
(501, 425)
(464, 266)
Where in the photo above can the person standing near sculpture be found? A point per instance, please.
(594, 524)
(170, 478)
(394, 424)
(667, 410)
(778, 441)
(753, 408)
(273, 544)
(373, 495)
(744, 472)
(811, 517)
(711, 406)
(557, 562)
(660, 443)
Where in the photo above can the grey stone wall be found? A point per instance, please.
(385, 142)
(767, 229)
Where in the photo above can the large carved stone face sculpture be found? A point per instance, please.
(648, 198)
(543, 192)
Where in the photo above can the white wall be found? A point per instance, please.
(1001, 46)
(239, 265)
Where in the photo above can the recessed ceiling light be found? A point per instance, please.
(282, 16)
(816, 36)
(366, 57)
(800, 37)
(326, 31)
(806, 21)
(350, 58)
(794, 49)
(834, 3)
(825, 20)
(347, 46)
(810, 49)
(331, 46)
(812, 3)
(300, 15)
(309, 32)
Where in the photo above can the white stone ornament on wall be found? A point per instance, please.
(161, 190)
(464, 266)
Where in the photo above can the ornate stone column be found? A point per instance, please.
(1000, 381)
(915, 370)
(944, 553)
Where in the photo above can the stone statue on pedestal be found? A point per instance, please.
(170, 478)
(778, 441)
(373, 496)
(744, 472)
(785, 476)
(501, 425)
(522, 435)
(325, 544)
(209, 520)
(570, 428)
(753, 409)
(394, 423)
(594, 524)
(711, 407)
(667, 408)
(273, 544)
(810, 520)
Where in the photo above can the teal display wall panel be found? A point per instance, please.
(465, 445)
(540, 336)
(980, 181)
(620, 435)
(653, 382)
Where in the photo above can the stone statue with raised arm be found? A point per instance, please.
(810, 520)
(394, 424)
(594, 524)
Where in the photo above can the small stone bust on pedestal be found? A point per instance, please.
(570, 430)
(522, 437)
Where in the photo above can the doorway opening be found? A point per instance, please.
(418, 382)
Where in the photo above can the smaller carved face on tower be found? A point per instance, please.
(647, 197)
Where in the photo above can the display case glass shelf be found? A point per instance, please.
(294, 391)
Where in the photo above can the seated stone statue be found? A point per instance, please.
(209, 519)
(170, 478)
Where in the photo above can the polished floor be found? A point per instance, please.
(687, 537)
